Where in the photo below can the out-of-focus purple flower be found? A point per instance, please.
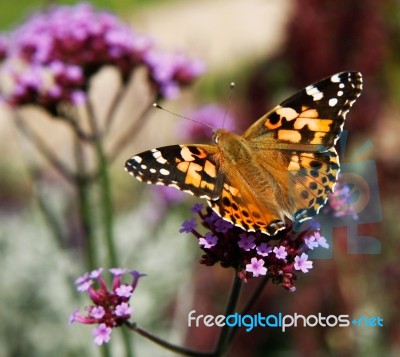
(188, 226)
(95, 274)
(51, 57)
(263, 249)
(85, 286)
(302, 263)
(123, 309)
(97, 312)
(280, 252)
(82, 279)
(321, 240)
(256, 267)
(246, 242)
(124, 290)
(197, 208)
(110, 307)
(102, 334)
(169, 71)
(222, 226)
(117, 272)
(169, 195)
(234, 248)
(310, 242)
(208, 241)
(212, 115)
(340, 203)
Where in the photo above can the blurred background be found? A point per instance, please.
(269, 48)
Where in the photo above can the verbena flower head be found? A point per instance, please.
(110, 306)
(53, 55)
(169, 71)
(254, 254)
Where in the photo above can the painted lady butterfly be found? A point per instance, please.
(284, 164)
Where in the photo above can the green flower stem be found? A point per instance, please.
(105, 187)
(224, 337)
(85, 210)
(167, 345)
(127, 339)
(107, 207)
(105, 350)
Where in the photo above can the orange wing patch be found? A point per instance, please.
(243, 210)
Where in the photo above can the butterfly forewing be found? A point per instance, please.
(189, 168)
(312, 119)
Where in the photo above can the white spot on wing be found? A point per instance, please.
(332, 102)
(158, 156)
(164, 172)
(335, 78)
(138, 159)
(314, 92)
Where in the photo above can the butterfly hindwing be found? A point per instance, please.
(240, 205)
(310, 120)
(189, 168)
(311, 176)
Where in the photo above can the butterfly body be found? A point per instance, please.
(284, 165)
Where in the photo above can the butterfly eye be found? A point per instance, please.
(217, 138)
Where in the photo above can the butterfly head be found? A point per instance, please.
(231, 144)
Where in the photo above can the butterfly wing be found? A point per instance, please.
(302, 132)
(312, 119)
(240, 204)
(312, 182)
(190, 168)
(293, 168)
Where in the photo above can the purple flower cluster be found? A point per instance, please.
(254, 254)
(110, 308)
(52, 56)
(169, 71)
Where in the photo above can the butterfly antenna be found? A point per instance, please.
(158, 106)
(231, 87)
